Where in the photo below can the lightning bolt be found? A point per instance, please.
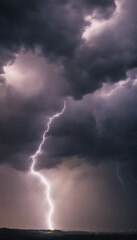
(121, 180)
(39, 175)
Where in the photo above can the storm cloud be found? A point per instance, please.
(82, 52)
(100, 127)
(87, 43)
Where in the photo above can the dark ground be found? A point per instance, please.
(6, 234)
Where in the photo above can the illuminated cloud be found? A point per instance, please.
(84, 52)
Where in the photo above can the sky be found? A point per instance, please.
(83, 52)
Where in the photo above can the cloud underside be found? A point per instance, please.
(88, 56)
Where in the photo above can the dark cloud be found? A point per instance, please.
(108, 54)
(83, 51)
(57, 28)
(25, 111)
(100, 127)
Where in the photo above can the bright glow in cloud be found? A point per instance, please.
(110, 90)
(96, 25)
(23, 75)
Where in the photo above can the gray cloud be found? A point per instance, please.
(108, 54)
(25, 110)
(57, 28)
(30, 25)
(83, 51)
(90, 128)
(100, 127)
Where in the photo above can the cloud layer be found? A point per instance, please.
(84, 52)
(100, 121)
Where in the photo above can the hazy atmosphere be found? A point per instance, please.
(77, 59)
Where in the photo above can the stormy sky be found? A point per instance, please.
(83, 52)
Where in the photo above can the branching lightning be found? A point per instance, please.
(39, 175)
